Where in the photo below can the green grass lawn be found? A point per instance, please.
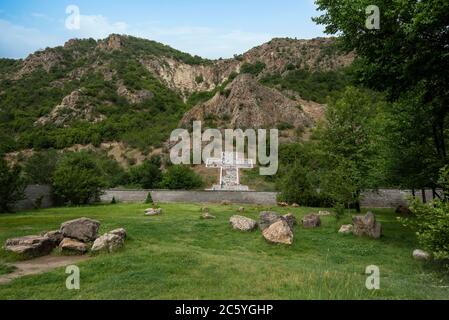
(178, 256)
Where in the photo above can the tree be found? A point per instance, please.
(39, 168)
(181, 177)
(78, 179)
(148, 175)
(408, 57)
(351, 143)
(12, 186)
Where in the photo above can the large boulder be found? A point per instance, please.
(30, 246)
(311, 221)
(83, 229)
(243, 223)
(267, 218)
(108, 242)
(279, 232)
(367, 225)
(73, 246)
(120, 232)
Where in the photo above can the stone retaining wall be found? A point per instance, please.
(35, 196)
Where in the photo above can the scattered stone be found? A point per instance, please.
(346, 229)
(403, 211)
(279, 232)
(421, 255)
(207, 215)
(225, 202)
(324, 213)
(295, 205)
(283, 204)
(69, 245)
(153, 212)
(267, 218)
(243, 223)
(204, 209)
(241, 209)
(55, 236)
(311, 221)
(367, 225)
(30, 246)
(82, 229)
(291, 220)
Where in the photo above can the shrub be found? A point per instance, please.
(39, 168)
(78, 179)
(253, 69)
(149, 199)
(181, 177)
(431, 223)
(12, 186)
(148, 175)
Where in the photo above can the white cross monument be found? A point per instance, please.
(229, 165)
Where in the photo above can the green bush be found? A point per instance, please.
(181, 177)
(253, 69)
(149, 199)
(78, 179)
(148, 175)
(431, 223)
(12, 186)
(39, 168)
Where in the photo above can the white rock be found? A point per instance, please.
(346, 229)
(243, 223)
(421, 255)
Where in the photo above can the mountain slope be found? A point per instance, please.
(134, 92)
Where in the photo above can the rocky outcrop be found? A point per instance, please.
(83, 229)
(243, 223)
(367, 225)
(133, 97)
(73, 107)
(311, 221)
(30, 246)
(247, 104)
(279, 232)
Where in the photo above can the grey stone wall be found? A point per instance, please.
(391, 198)
(171, 196)
(35, 195)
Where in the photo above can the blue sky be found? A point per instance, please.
(208, 28)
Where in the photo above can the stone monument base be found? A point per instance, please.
(239, 187)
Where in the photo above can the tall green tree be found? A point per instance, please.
(12, 186)
(408, 57)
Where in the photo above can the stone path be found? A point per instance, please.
(40, 265)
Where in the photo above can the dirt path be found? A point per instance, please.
(40, 265)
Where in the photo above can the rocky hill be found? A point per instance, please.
(133, 92)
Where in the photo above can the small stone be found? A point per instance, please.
(295, 205)
(243, 223)
(403, 211)
(69, 245)
(204, 209)
(279, 232)
(207, 215)
(120, 232)
(241, 209)
(225, 202)
(346, 229)
(324, 213)
(367, 225)
(283, 204)
(311, 221)
(421, 255)
(153, 212)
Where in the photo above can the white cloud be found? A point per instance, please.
(18, 41)
(98, 27)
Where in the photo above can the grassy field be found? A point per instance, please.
(178, 256)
